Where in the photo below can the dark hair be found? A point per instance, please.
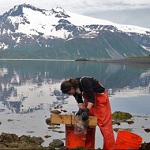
(66, 85)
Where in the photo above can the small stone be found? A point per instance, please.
(147, 130)
(55, 111)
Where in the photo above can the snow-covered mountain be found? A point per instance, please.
(30, 32)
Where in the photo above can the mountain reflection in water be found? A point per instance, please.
(27, 86)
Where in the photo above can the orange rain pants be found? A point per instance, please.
(101, 109)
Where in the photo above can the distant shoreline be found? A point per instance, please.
(141, 60)
(5, 59)
(136, 60)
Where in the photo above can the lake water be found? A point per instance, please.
(29, 89)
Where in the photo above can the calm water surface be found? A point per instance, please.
(29, 89)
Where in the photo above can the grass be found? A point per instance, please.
(139, 56)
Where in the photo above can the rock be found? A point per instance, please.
(145, 146)
(56, 144)
(53, 127)
(5, 137)
(118, 115)
(1, 139)
(127, 129)
(2, 146)
(116, 122)
(37, 140)
(64, 110)
(12, 141)
(47, 136)
(58, 131)
(130, 122)
(78, 148)
(147, 130)
(24, 138)
(55, 111)
(48, 121)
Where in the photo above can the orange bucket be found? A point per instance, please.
(127, 140)
(84, 140)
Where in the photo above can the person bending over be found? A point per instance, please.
(96, 103)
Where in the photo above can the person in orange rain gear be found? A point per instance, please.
(96, 103)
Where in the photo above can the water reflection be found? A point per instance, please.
(27, 86)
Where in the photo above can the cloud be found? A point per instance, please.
(103, 9)
(80, 6)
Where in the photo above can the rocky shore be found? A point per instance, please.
(26, 142)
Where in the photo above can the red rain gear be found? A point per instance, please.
(101, 109)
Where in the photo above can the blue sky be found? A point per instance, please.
(130, 12)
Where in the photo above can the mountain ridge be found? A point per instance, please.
(55, 31)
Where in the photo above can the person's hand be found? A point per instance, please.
(80, 111)
(85, 114)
